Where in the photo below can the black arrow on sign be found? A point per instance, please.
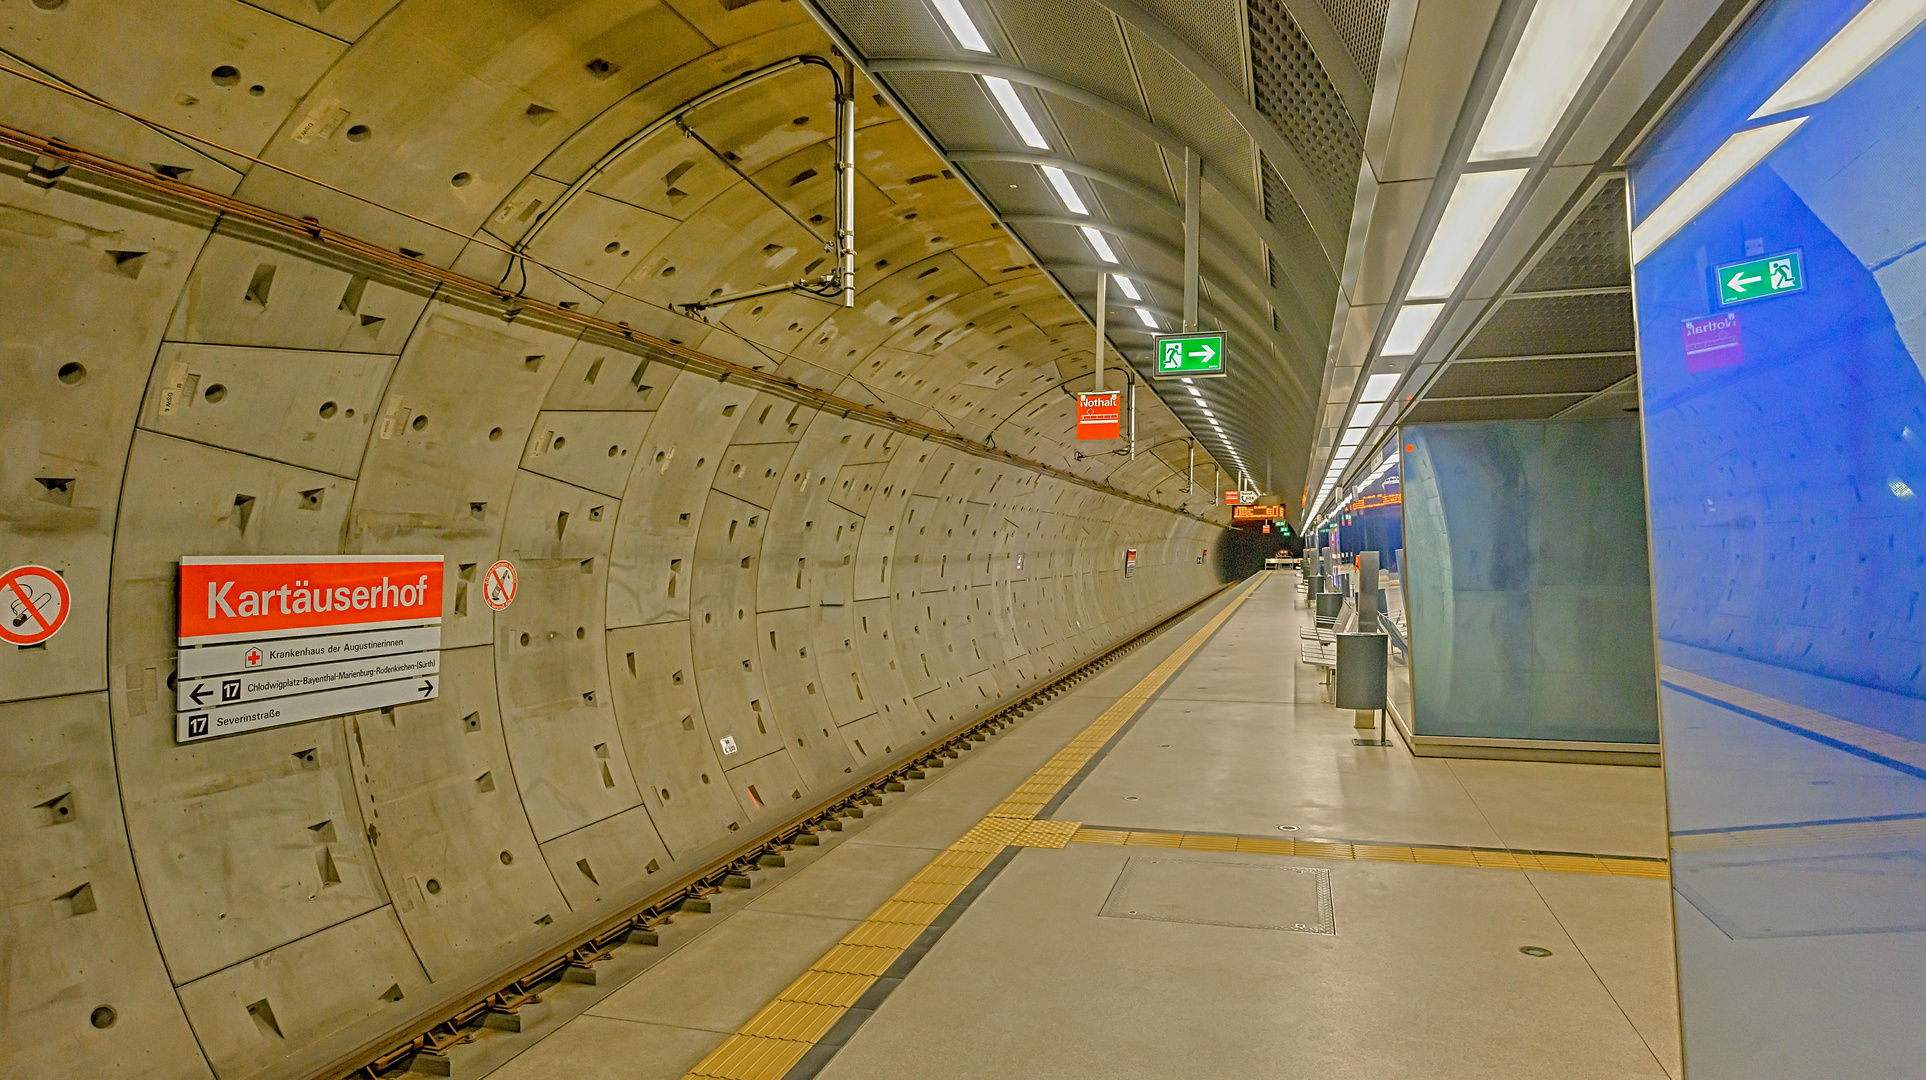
(200, 693)
(427, 688)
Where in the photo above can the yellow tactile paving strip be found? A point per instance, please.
(773, 1040)
(1325, 849)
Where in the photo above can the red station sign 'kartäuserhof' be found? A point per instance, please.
(229, 598)
(1100, 416)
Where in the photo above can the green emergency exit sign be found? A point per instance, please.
(1190, 355)
(1756, 279)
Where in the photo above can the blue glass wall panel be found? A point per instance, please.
(1526, 582)
(1374, 521)
(1789, 553)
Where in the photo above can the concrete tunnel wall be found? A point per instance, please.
(698, 557)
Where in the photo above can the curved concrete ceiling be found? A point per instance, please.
(289, 278)
(1272, 95)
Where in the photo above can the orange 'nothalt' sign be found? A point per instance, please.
(1258, 513)
(266, 596)
(1100, 416)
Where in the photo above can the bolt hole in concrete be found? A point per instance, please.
(494, 434)
(359, 133)
(72, 374)
(256, 90)
(420, 423)
(1534, 950)
(1287, 828)
(226, 75)
(507, 858)
(327, 410)
(461, 179)
(1130, 798)
(215, 393)
(434, 887)
(104, 1016)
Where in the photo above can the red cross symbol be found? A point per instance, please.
(253, 657)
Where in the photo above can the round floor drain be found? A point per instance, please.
(1533, 950)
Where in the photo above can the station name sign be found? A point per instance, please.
(270, 640)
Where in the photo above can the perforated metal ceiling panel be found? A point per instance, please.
(1361, 24)
(888, 29)
(953, 107)
(1181, 104)
(1292, 89)
(1545, 325)
(1212, 27)
(1592, 253)
(1074, 40)
(1503, 408)
(1283, 211)
(1133, 58)
(1583, 374)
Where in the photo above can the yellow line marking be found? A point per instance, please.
(1883, 743)
(1324, 849)
(777, 1037)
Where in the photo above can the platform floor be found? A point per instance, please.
(1186, 925)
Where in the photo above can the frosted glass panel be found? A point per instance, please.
(1527, 587)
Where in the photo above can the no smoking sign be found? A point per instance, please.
(498, 588)
(34, 603)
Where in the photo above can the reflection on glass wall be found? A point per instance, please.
(1780, 249)
(1530, 605)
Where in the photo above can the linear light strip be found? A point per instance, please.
(960, 25)
(1734, 158)
(1858, 45)
(1561, 44)
(1013, 110)
(1477, 201)
(1071, 200)
(1098, 244)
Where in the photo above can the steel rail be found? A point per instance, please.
(638, 924)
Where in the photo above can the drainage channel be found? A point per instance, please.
(454, 1044)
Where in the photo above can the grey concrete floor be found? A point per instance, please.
(1422, 976)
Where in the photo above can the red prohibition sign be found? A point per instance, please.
(498, 588)
(34, 603)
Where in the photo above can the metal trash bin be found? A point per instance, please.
(1330, 605)
(1363, 670)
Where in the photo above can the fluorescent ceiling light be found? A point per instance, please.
(1379, 387)
(1475, 204)
(1071, 200)
(1128, 286)
(1194, 391)
(1186, 382)
(1408, 330)
(1098, 244)
(1732, 160)
(1146, 318)
(1560, 45)
(960, 25)
(1365, 413)
(1872, 33)
(1012, 106)
(1351, 439)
